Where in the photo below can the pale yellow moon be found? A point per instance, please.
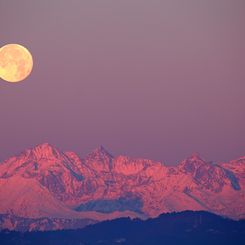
(16, 63)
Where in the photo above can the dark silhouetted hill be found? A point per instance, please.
(187, 227)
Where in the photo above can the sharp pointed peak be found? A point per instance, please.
(44, 150)
(195, 156)
(44, 145)
(192, 162)
(100, 152)
(101, 148)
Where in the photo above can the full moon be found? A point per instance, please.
(15, 63)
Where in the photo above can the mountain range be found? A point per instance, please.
(44, 188)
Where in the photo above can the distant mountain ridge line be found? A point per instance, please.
(107, 152)
(44, 181)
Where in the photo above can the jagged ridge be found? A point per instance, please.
(102, 183)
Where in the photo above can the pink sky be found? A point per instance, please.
(152, 79)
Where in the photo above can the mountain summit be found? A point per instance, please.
(99, 153)
(44, 182)
(45, 151)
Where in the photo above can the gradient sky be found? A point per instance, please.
(153, 79)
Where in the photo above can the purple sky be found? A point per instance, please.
(153, 79)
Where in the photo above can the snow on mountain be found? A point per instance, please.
(46, 182)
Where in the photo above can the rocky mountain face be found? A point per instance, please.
(44, 182)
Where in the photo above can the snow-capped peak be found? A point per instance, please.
(44, 151)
